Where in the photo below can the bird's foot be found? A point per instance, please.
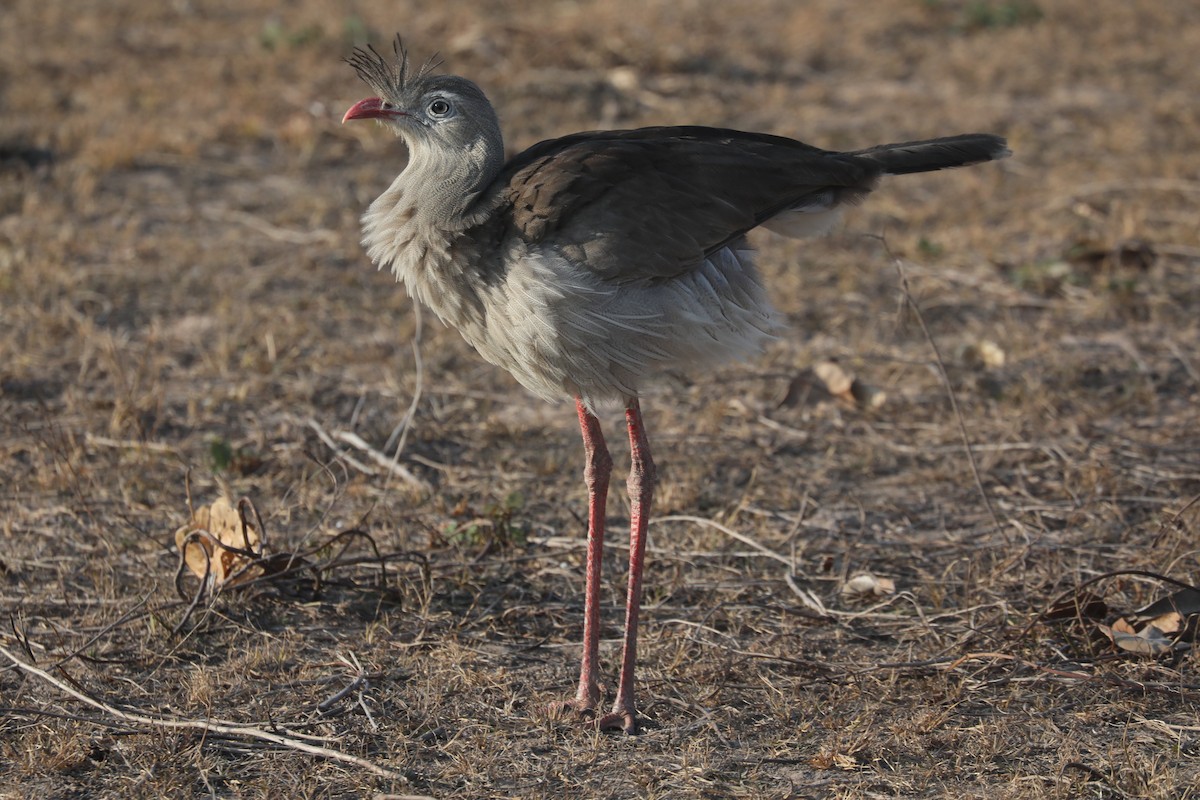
(619, 719)
(582, 709)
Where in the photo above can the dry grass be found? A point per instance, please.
(181, 290)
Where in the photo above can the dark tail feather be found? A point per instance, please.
(931, 154)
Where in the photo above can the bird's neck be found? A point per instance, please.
(415, 227)
(442, 184)
(435, 195)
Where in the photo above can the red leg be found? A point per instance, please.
(595, 474)
(642, 478)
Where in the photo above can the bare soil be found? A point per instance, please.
(183, 301)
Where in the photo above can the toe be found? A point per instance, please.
(625, 721)
(581, 710)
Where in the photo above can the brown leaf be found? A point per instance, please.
(868, 585)
(219, 543)
(1149, 641)
(835, 379)
(984, 354)
(1156, 642)
(828, 760)
(1171, 623)
(828, 380)
(867, 396)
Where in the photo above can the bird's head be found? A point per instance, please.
(444, 112)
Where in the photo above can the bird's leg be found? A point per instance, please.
(642, 478)
(595, 474)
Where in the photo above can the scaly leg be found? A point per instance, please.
(642, 478)
(595, 474)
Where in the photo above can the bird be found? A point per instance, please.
(590, 265)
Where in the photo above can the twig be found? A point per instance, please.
(131, 444)
(352, 661)
(941, 365)
(334, 699)
(333, 445)
(947, 664)
(741, 537)
(399, 436)
(268, 229)
(128, 615)
(12, 711)
(389, 464)
(205, 726)
(1175, 517)
(813, 603)
(200, 589)
(354, 440)
(1170, 728)
(337, 560)
(810, 600)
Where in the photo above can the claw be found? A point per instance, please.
(583, 710)
(625, 721)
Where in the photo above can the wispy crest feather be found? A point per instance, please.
(387, 78)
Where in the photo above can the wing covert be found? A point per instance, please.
(652, 203)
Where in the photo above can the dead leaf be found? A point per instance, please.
(868, 585)
(984, 354)
(1149, 641)
(220, 544)
(835, 379)
(828, 380)
(1177, 615)
(1171, 623)
(827, 760)
(867, 396)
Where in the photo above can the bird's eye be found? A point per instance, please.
(439, 107)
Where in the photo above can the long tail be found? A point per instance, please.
(949, 151)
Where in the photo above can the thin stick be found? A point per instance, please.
(334, 699)
(941, 365)
(390, 464)
(332, 445)
(354, 440)
(741, 537)
(200, 725)
(128, 615)
(179, 571)
(400, 435)
(131, 444)
(260, 225)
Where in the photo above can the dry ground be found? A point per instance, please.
(182, 291)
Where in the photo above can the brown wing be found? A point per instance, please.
(652, 203)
